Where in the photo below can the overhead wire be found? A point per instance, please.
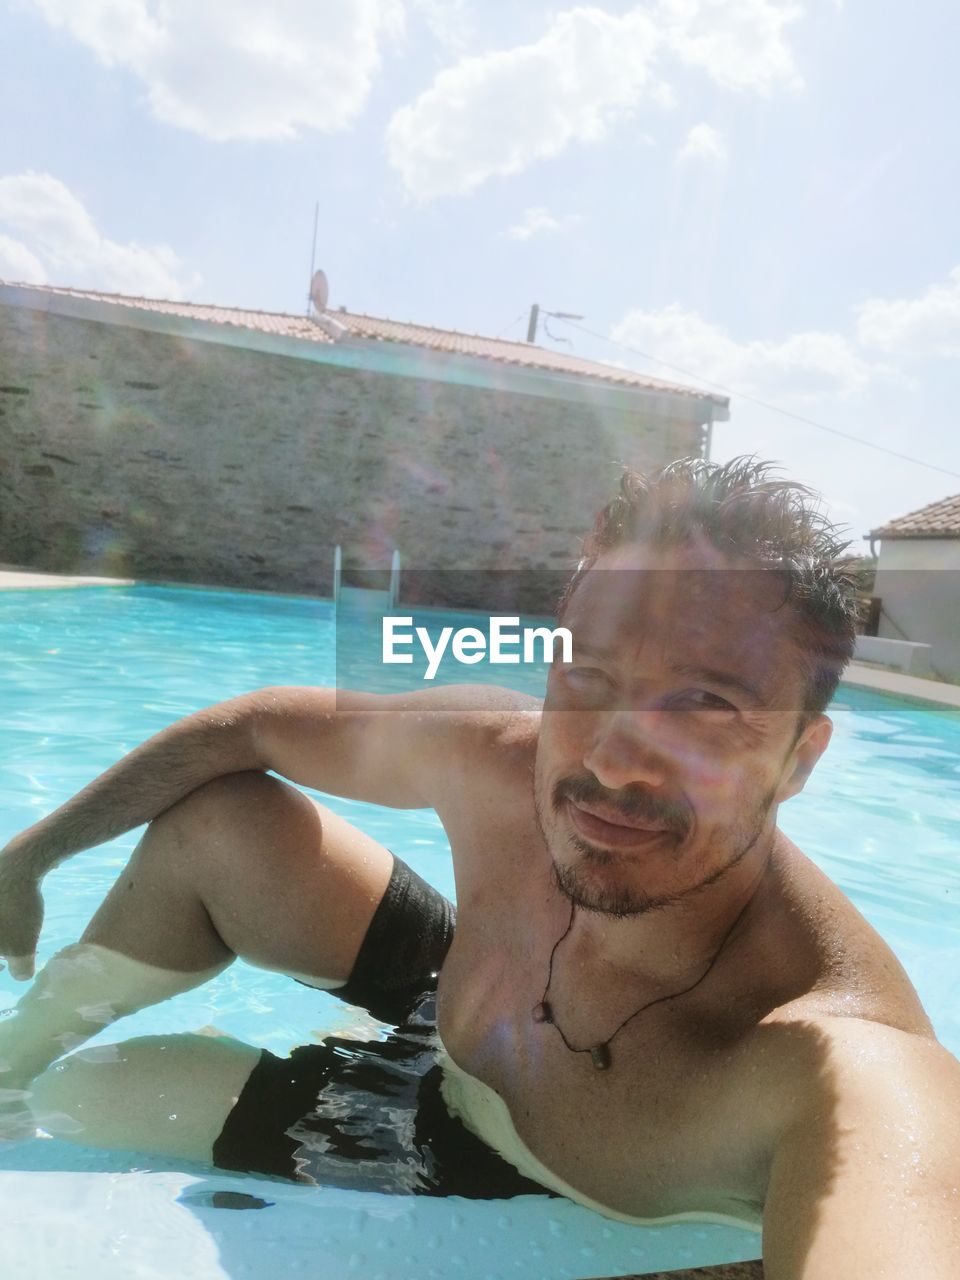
(766, 404)
(508, 327)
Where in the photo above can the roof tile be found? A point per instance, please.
(938, 520)
(361, 328)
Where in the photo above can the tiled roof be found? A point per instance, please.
(263, 321)
(361, 328)
(938, 520)
(522, 353)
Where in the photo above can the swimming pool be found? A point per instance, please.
(88, 673)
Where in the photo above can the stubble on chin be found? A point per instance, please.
(577, 880)
(613, 900)
(574, 881)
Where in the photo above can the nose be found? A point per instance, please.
(623, 753)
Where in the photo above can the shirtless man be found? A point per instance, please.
(653, 1002)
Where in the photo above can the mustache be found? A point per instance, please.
(635, 805)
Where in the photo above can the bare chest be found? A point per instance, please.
(656, 1133)
(685, 1119)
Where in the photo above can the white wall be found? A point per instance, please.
(918, 580)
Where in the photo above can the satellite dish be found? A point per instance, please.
(319, 291)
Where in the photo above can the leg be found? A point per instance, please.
(169, 1095)
(245, 865)
(223, 1102)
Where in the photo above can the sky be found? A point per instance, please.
(756, 196)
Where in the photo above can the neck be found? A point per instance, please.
(666, 944)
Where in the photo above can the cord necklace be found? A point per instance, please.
(600, 1053)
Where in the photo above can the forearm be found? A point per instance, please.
(216, 741)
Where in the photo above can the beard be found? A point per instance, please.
(591, 881)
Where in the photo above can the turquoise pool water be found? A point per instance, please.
(87, 674)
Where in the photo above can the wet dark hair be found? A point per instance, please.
(743, 510)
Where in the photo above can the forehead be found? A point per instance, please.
(690, 606)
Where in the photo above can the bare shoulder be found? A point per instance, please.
(842, 967)
(826, 1057)
(864, 1170)
(496, 743)
(405, 750)
(806, 1071)
(485, 717)
(875, 1085)
(472, 732)
(860, 1047)
(831, 1004)
(894, 1086)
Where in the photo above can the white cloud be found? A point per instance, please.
(230, 69)
(801, 365)
(539, 221)
(58, 240)
(496, 113)
(924, 326)
(704, 143)
(738, 43)
(18, 264)
(450, 22)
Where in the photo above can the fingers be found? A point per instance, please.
(21, 967)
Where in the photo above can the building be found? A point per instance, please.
(179, 442)
(918, 582)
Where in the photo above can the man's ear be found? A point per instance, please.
(803, 757)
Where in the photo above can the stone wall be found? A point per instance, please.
(139, 454)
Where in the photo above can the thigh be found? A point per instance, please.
(306, 894)
(168, 1095)
(404, 949)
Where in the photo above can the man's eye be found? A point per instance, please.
(703, 699)
(587, 679)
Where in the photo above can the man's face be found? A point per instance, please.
(670, 738)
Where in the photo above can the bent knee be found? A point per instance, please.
(242, 809)
(266, 859)
(237, 794)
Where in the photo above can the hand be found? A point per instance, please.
(21, 912)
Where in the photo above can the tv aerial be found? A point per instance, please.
(535, 314)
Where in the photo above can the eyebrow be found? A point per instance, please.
(710, 675)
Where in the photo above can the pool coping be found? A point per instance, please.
(26, 580)
(902, 686)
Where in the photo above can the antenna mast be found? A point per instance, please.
(535, 321)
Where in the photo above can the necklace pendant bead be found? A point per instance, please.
(543, 1012)
(600, 1056)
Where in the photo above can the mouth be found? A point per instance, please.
(616, 830)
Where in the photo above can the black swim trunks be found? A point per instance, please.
(369, 1115)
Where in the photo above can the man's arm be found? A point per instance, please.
(148, 780)
(392, 750)
(866, 1178)
(383, 749)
